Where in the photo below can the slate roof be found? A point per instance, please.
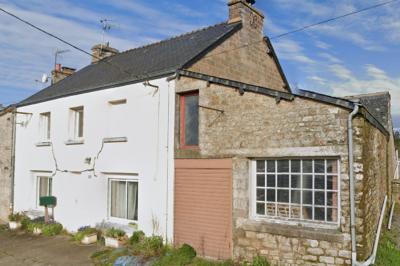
(377, 104)
(150, 61)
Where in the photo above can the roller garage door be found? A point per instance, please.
(203, 206)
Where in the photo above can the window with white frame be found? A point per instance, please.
(123, 198)
(297, 189)
(45, 126)
(76, 126)
(44, 187)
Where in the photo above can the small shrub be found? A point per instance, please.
(15, 217)
(187, 251)
(51, 229)
(149, 246)
(25, 222)
(260, 261)
(184, 255)
(115, 233)
(136, 237)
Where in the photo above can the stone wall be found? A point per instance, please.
(257, 126)
(6, 128)
(372, 169)
(243, 56)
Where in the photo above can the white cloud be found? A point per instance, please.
(292, 51)
(330, 58)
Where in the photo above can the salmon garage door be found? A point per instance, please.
(203, 206)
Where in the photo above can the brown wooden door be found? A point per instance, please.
(203, 206)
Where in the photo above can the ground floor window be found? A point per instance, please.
(297, 189)
(124, 199)
(44, 187)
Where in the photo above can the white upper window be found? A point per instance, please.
(77, 119)
(45, 126)
(298, 189)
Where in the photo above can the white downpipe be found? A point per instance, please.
(391, 215)
(371, 259)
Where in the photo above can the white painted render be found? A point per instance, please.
(146, 121)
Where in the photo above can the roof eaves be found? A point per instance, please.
(242, 87)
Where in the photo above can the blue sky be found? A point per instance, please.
(358, 54)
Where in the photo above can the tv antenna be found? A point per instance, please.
(56, 54)
(106, 26)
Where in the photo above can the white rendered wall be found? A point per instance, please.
(146, 120)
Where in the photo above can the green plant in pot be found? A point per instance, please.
(86, 235)
(15, 220)
(115, 238)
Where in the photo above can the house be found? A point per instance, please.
(6, 160)
(199, 138)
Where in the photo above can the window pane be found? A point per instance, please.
(331, 215)
(260, 194)
(260, 166)
(296, 196)
(332, 166)
(271, 180)
(307, 181)
(296, 181)
(295, 212)
(283, 166)
(307, 197)
(118, 199)
(319, 182)
(261, 208)
(283, 195)
(319, 198)
(43, 186)
(271, 195)
(48, 126)
(307, 213)
(80, 123)
(283, 210)
(295, 166)
(283, 180)
(319, 166)
(271, 166)
(332, 183)
(271, 209)
(132, 201)
(191, 120)
(319, 214)
(332, 199)
(50, 186)
(307, 166)
(260, 180)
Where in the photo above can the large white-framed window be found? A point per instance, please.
(123, 199)
(45, 127)
(76, 123)
(44, 187)
(300, 190)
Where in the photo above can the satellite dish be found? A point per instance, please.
(45, 78)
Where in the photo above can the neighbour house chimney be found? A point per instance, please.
(243, 10)
(60, 73)
(101, 51)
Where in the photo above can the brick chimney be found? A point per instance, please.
(60, 73)
(243, 10)
(101, 51)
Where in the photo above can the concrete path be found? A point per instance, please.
(19, 248)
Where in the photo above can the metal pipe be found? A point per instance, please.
(14, 129)
(351, 179)
(391, 215)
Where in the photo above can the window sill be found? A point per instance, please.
(195, 148)
(115, 140)
(43, 144)
(289, 230)
(74, 142)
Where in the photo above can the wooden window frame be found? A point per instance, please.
(182, 129)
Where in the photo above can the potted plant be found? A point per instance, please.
(114, 238)
(15, 220)
(86, 235)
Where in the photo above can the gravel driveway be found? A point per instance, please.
(19, 248)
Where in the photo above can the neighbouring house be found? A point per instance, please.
(6, 160)
(199, 138)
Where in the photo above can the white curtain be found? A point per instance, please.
(118, 199)
(132, 200)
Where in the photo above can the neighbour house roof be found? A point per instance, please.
(139, 64)
(378, 104)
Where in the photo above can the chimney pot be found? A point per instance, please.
(60, 73)
(58, 68)
(101, 51)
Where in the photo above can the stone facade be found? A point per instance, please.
(243, 56)
(256, 126)
(6, 163)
